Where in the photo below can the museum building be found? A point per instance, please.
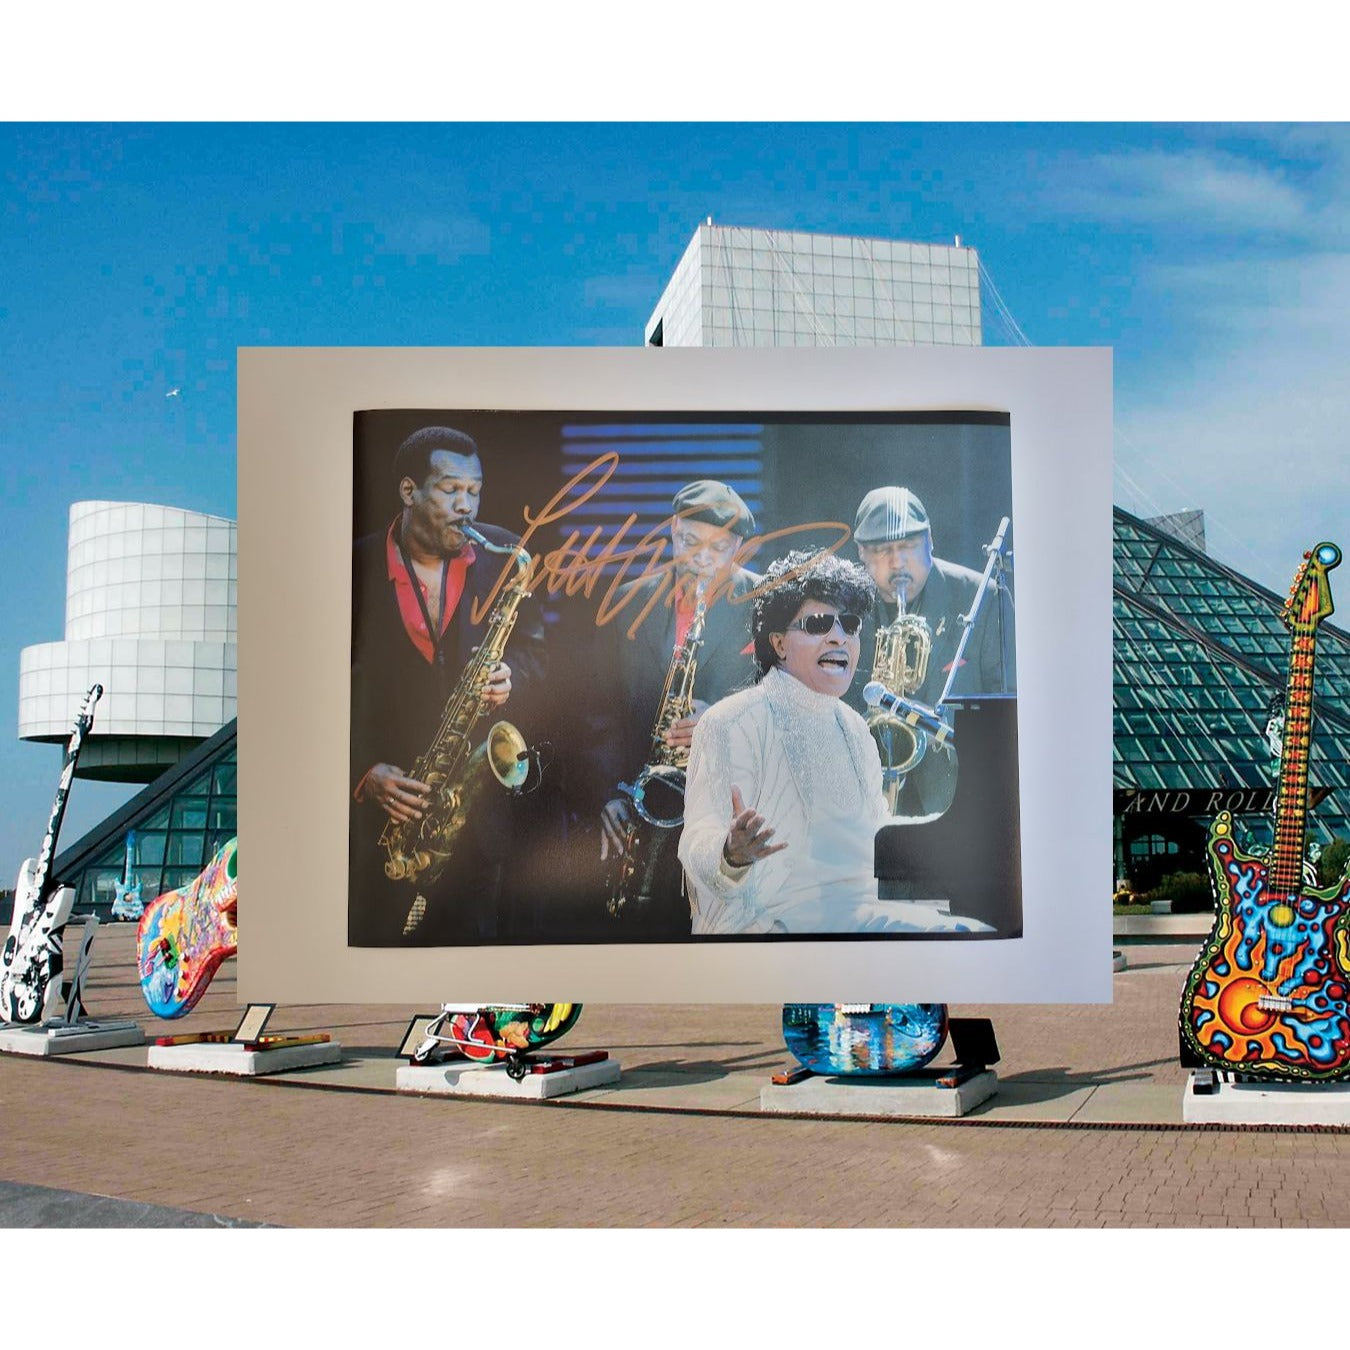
(151, 615)
(1201, 658)
(1200, 651)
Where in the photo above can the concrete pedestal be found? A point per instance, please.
(1265, 1103)
(78, 1038)
(230, 1057)
(460, 1078)
(879, 1096)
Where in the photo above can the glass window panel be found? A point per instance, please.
(150, 847)
(158, 821)
(189, 813)
(175, 878)
(224, 815)
(187, 849)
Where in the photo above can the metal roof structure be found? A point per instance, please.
(1200, 656)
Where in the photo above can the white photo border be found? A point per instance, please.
(296, 407)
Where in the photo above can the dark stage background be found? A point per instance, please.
(792, 470)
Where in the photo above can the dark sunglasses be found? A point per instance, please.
(817, 625)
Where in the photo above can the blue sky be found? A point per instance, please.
(1212, 258)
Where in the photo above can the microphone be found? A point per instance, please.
(876, 695)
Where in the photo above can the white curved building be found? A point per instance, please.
(151, 616)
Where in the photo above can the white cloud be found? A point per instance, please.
(1250, 423)
(1200, 189)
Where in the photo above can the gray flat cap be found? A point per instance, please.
(889, 513)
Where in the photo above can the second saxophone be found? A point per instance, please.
(647, 859)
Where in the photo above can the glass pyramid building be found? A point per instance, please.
(164, 835)
(1201, 658)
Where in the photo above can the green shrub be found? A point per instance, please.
(1189, 892)
(1331, 864)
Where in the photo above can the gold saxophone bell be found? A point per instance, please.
(900, 663)
(507, 755)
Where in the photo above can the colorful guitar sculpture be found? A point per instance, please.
(30, 968)
(496, 1031)
(864, 1038)
(1269, 994)
(185, 934)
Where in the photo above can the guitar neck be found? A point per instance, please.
(1291, 812)
(48, 851)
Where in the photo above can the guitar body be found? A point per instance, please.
(1269, 994)
(497, 1032)
(853, 1039)
(30, 974)
(127, 904)
(184, 936)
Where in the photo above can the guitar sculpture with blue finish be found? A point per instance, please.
(1269, 994)
(127, 903)
(874, 1039)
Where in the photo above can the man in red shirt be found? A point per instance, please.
(418, 587)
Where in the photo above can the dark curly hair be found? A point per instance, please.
(803, 576)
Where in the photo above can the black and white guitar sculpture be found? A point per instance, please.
(30, 967)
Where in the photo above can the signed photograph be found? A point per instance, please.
(682, 678)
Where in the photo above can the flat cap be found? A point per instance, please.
(714, 503)
(889, 513)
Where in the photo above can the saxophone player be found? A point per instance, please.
(708, 526)
(420, 591)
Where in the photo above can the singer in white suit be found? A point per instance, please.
(784, 797)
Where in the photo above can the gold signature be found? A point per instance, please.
(576, 566)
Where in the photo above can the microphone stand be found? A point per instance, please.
(992, 551)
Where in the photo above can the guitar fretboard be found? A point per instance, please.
(1286, 867)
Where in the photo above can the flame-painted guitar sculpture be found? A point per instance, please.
(184, 935)
(30, 968)
(1269, 994)
(864, 1038)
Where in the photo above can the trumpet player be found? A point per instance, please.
(417, 586)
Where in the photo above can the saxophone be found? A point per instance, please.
(456, 772)
(658, 793)
(900, 664)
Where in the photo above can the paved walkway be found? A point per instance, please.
(700, 1153)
